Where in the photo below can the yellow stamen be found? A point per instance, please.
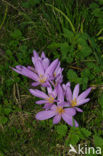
(54, 74)
(42, 79)
(55, 84)
(50, 99)
(60, 110)
(74, 102)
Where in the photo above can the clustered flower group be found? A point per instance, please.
(57, 98)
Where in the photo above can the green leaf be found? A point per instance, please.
(94, 5)
(68, 34)
(64, 50)
(85, 51)
(61, 130)
(3, 120)
(98, 141)
(73, 136)
(7, 111)
(81, 41)
(72, 75)
(16, 34)
(54, 45)
(72, 139)
(30, 3)
(84, 82)
(84, 133)
(85, 73)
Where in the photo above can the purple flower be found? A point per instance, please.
(76, 100)
(58, 99)
(48, 100)
(43, 71)
(58, 74)
(44, 60)
(58, 112)
(44, 75)
(61, 96)
(65, 86)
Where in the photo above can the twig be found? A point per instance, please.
(14, 94)
(75, 67)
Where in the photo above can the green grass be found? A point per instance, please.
(67, 30)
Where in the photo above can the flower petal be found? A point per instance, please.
(58, 70)
(48, 106)
(34, 84)
(45, 63)
(49, 89)
(76, 91)
(26, 72)
(82, 101)
(78, 109)
(70, 111)
(69, 120)
(56, 119)
(66, 104)
(66, 85)
(46, 84)
(41, 102)
(52, 67)
(43, 55)
(31, 68)
(35, 54)
(19, 67)
(35, 57)
(38, 93)
(68, 94)
(43, 115)
(39, 67)
(54, 107)
(84, 94)
(60, 93)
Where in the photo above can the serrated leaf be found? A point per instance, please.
(68, 34)
(84, 82)
(98, 141)
(64, 50)
(61, 130)
(54, 45)
(82, 41)
(72, 75)
(84, 133)
(72, 139)
(85, 73)
(85, 51)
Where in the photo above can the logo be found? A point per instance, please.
(84, 150)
